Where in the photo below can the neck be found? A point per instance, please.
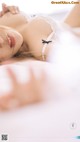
(21, 29)
(24, 48)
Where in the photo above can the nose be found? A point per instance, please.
(1, 40)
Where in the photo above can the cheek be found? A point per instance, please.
(18, 45)
(19, 41)
(5, 53)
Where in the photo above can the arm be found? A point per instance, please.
(73, 18)
(11, 16)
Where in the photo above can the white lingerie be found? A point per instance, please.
(56, 26)
(52, 36)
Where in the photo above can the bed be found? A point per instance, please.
(57, 119)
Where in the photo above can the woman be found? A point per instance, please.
(33, 33)
(29, 35)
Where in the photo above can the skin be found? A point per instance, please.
(29, 39)
(27, 29)
(30, 92)
(73, 18)
(15, 99)
(9, 47)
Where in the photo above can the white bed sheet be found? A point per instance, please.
(45, 122)
(57, 120)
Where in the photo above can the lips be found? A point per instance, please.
(11, 41)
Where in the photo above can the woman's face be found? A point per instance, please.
(10, 42)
